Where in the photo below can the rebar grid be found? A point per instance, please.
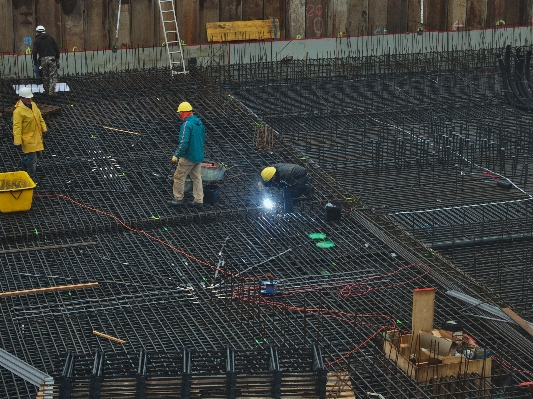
(162, 297)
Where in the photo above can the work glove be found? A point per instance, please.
(260, 186)
(175, 159)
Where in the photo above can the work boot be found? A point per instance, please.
(196, 204)
(176, 202)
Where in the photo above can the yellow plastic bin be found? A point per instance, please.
(16, 192)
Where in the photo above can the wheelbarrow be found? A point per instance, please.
(211, 173)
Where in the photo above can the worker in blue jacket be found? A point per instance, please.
(188, 156)
(291, 179)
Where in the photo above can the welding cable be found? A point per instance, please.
(319, 312)
(340, 315)
(367, 340)
(509, 367)
(122, 223)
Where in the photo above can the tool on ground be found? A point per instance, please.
(270, 287)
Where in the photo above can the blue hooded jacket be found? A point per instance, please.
(191, 140)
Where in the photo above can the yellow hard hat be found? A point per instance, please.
(184, 107)
(268, 173)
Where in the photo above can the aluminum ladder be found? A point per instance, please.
(170, 28)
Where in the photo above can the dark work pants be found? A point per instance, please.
(296, 190)
(30, 163)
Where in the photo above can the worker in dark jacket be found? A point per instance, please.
(291, 179)
(189, 155)
(45, 55)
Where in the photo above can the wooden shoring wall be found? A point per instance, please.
(81, 25)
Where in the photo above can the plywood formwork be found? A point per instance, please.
(241, 30)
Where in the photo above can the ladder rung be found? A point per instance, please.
(167, 11)
(165, 1)
(174, 52)
(172, 41)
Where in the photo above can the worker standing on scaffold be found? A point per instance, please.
(189, 155)
(28, 129)
(291, 179)
(45, 55)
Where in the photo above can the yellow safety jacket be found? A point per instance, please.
(28, 127)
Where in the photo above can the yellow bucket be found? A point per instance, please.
(16, 192)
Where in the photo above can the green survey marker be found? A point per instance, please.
(317, 236)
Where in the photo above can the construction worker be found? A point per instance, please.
(189, 155)
(28, 129)
(291, 179)
(45, 55)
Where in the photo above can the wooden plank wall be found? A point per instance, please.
(91, 24)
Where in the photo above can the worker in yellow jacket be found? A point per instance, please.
(28, 129)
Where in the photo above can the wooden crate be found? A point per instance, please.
(242, 30)
(428, 366)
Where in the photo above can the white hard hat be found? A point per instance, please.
(40, 28)
(25, 92)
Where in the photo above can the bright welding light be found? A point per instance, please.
(268, 203)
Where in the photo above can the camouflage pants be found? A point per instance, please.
(49, 73)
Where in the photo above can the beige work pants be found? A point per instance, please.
(194, 170)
